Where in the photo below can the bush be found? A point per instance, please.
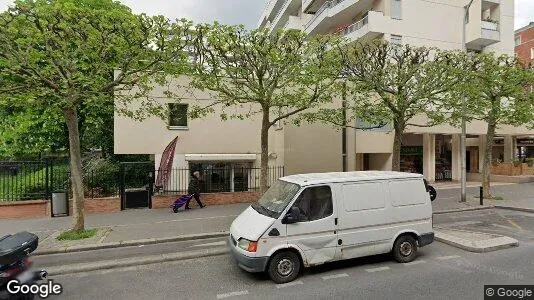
(530, 162)
(102, 178)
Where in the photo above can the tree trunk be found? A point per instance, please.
(76, 172)
(397, 143)
(486, 166)
(264, 150)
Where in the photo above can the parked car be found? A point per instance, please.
(311, 219)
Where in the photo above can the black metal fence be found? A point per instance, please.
(31, 180)
(219, 180)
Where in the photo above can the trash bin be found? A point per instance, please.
(60, 204)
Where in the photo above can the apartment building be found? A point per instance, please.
(435, 151)
(524, 44)
(234, 145)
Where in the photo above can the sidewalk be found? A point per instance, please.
(130, 225)
(148, 224)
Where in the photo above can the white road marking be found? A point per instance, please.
(416, 262)
(293, 283)
(335, 276)
(210, 244)
(377, 269)
(448, 257)
(232, 294)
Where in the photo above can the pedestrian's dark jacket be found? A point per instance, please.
(194, 186)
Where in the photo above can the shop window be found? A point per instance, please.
(221, 177)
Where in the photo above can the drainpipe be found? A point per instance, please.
(344, 129)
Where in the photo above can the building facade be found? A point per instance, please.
(434, 151)
(235, 145)
(524, 44)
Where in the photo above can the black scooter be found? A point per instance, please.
(15, 264)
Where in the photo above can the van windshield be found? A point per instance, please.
(276, 198)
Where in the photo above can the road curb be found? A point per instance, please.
(529, 210)
(135, 261)
(439, 212)
(494, 243)
(152, 241)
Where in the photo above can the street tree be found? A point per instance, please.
(69, 55)
(277, 75)
(497, 92)
(392, 84)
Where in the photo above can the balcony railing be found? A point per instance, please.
(490, 26)
(354, 27)
(325, 6)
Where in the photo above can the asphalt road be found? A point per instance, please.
(46, 261)
(440, 271)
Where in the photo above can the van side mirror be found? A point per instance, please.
(292, 216)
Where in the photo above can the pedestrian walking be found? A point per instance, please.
(194, 189)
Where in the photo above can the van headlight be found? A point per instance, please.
(247, 245)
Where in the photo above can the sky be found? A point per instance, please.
(245, 12)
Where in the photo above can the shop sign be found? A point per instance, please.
(412, 150)
(525, 141)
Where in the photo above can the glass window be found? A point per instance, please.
(532, 53)
(396, 9)
(518, 40)
(276, 199)
(315, 203)
(178, 115)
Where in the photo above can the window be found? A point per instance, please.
(177, 115)
(276, 199)
(518, 40)
(315, 203)
(531, 53)
(396, 39)
(221, 177)
(396, 9)
(367, 126)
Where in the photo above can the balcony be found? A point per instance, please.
(283, 14)
(334, 12)
(487, 34)
(293, 23)
(371, 26)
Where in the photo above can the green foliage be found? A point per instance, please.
(30, 184)
(102, 178)
(76, 56)
(254, 72)
(77, 235)
(495, 87)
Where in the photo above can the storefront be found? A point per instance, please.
(525, 147)
(411, 160)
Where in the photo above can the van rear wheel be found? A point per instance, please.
(405, 249)
(284, 267)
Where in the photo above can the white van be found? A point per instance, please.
(311, 219)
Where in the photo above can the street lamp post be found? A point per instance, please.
(463, 137)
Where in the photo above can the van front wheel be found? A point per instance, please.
(284, 267)
(405, 249)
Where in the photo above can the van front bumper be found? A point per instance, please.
(247, 263)
(426, 239)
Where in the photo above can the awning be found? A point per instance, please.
(220, 157)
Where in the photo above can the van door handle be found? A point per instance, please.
(335, 221)
(340, 242)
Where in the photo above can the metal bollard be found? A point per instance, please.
(481, 195)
